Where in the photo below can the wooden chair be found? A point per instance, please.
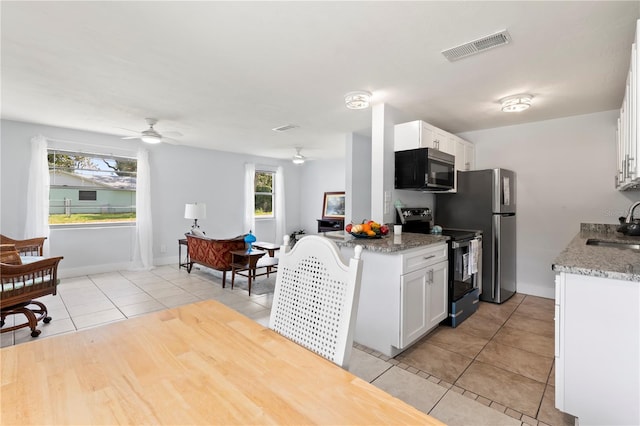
(215, 254)
(30, 247)
(21, 283)
(316, 297)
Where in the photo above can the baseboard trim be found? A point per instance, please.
(536, 290)
(107, 267)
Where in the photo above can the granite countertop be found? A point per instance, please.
(599, 261)
(387, 244)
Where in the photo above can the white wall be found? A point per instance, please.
(318, 177)
(358, 178)
(179, 175)
(565, 172)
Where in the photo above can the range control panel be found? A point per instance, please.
(413, 214)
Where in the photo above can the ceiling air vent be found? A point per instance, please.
(285, 128)
(477, 46)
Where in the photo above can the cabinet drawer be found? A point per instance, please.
(423, 257)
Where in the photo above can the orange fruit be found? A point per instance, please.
(366, 227)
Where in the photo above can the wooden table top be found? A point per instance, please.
(197, 364)
(265, 246)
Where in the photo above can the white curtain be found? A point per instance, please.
(143, 247)
(37, 217)
(249, 198)
(280, 206)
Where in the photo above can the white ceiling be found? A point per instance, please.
(225, 73)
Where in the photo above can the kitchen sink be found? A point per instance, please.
(617, 244)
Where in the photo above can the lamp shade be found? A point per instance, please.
(195, 211)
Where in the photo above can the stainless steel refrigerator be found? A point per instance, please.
(486, 200)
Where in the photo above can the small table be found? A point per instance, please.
(269, 247)
(185, 264)
(243, 260)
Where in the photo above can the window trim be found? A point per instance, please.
(271, 216)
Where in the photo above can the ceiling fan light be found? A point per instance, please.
(298, 158)
(150, 139)
(358, 99)
(516, 103)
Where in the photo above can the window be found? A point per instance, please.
(91, 188)
(88, 195)
(264, 194)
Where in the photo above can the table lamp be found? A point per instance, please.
(195, 211)
(249, 239)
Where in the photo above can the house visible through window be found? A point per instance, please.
(264, 194)
(91, 188)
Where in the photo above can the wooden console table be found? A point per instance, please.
(328, 225)
(199, 364)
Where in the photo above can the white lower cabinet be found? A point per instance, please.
(597, 349)
(423, 298)
(403, 296)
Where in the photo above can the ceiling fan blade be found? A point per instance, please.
(173, 133)
(170, 141)
(131, 137)
(128, 130)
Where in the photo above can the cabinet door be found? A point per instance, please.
(423, 300)
(446, 142)
(469, 156)
(413, 306)
(460, 154)
(632, 105)
(437, 294)
(428, 137)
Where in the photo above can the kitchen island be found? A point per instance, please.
(597, 328)
(404, 288)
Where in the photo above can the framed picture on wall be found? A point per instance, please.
(333, 205)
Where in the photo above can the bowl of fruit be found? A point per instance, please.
(367, 229)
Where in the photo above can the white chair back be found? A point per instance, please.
(315, 302)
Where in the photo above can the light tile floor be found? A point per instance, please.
(494, 369)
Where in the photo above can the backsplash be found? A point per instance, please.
(598, 227)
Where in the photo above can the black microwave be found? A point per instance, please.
(424, 169)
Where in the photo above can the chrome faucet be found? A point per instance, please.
(629, 218)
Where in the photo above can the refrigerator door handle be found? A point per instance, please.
(496, 255)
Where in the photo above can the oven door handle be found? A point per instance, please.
(457, 245)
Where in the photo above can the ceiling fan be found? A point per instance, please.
(298, 158)
(151, 135)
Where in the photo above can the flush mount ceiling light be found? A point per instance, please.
(359, 99)
(298, 158)
(516, 103)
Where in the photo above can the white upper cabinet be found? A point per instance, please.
(419, 134)
(465, 154)
(627, 137)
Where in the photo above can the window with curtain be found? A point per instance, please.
(86, 188)
(263, 192)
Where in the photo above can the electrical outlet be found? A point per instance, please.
(163, 248)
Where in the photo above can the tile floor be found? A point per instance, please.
(494, 369)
